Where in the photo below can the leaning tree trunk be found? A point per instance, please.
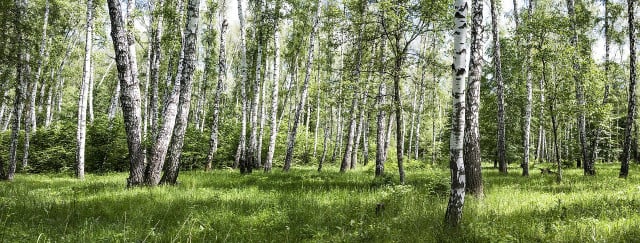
(456, 163)
(222, 76)
(624, 169)
(502, 161)
(292, 135)
(588, 165)
(130, 95)
(274, 96)
(22, 74)
(472, 161)
(84, 94)
(171, 171)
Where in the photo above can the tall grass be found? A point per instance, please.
(304, 205)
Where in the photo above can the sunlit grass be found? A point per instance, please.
(304, 205)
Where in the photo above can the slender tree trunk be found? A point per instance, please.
(498, 76)
(631, 111)
(292, 135)
(252, 150)
(245, 166)
(607, 46)
(90, 94)
(130, 95)
(453, 215)
(84, 93)
(316, 130)
(274, 96)
(527, 115)
(327, 135)
(412, 125)
(154, 64)
(387, 137)
(23, 70)
(588, 165)
(346, 160)
(472, 161)
(189, 64)
(397, 101)
(222, 76)
(31, 121)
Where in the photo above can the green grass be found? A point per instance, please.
(304, 205)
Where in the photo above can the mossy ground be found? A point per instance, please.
(304, 205)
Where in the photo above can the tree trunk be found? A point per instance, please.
(456, 163)
(222, 76)
(274, 96)
(472, 161)
(252, 151)
(412, 125)
(154, 64)
(292, 135)
(84, 93)
(527, 115)
(498, 76)
(607, 45)
(631, 111)
(245, 166)
(130, 95)
(31, 121)
(23, 70)
(346, 160)
(397, 102)
(588, 165)
(189, 64)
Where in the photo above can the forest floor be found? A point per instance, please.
(304, 205)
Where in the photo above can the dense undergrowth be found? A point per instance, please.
(304, 205)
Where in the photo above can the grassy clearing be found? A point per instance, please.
(304, 205)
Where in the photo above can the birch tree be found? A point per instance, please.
(291, 140)
(472, 161)
(81, 136)
(631, 107)
(456, 162)
(130, 95)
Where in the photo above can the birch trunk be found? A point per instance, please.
(472, 160)
(157, 20)
(292, 135)
(607, 45)
(497, 62)
(130, 95)
(22, 74)
(631, 111)
(588, 165)
(190, 57)
(252, 151)
(274, 96)
(380, 104)
(527, 115)
(456, 200)
(222, 76)
(245, 166)
(81, 135)
(31, 121)
(346, 160)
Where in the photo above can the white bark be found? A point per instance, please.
(456, 163)
(81, 135)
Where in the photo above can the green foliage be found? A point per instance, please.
(304, 205)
